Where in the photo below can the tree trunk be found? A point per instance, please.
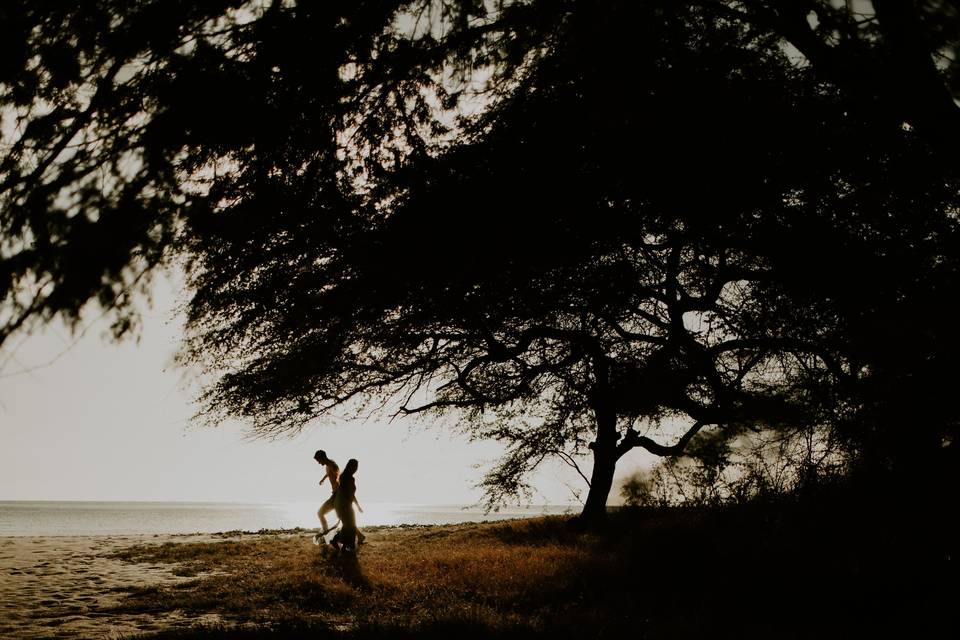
(604, 464)
(601, 481)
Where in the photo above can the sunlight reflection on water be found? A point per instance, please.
(304, 514)
(50, 518)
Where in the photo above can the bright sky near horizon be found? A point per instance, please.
(104, 421)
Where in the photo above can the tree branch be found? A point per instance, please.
(633, 439)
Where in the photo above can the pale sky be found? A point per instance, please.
(106, 421)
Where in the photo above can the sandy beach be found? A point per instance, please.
(66, 587)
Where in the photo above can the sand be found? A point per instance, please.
(65, 587)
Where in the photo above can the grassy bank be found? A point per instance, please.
(780, 571)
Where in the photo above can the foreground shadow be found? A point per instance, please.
(346, 566)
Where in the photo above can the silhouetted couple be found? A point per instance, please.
(343, 496)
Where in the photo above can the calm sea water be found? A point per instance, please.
(48, 518)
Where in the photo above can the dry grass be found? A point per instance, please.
(409, 578)
(669, 574)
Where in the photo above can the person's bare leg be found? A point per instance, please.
(325, 508)
(322, 512)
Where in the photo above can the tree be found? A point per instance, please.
(552, 313)
(85, 211)
(566, 221)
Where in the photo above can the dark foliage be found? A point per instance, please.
(570, 223)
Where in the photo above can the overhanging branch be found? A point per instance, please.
(633, 439)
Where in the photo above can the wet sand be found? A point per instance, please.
(66, 587)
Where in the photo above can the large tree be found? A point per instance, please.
(564, 221)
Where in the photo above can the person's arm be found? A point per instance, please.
(357, 502)
(324, 477)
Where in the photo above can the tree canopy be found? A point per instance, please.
(566, 222)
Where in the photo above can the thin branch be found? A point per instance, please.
(568, 459)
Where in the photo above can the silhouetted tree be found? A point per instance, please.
(567, 222)
(90, 195)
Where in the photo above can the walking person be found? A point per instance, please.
(332, 474)
(349, 536)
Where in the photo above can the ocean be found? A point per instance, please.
(82, 518)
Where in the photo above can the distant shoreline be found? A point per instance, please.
(93, 518)
(221, 535)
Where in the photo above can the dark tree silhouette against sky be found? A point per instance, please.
(565, 222)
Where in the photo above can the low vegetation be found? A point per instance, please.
(833, 568)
